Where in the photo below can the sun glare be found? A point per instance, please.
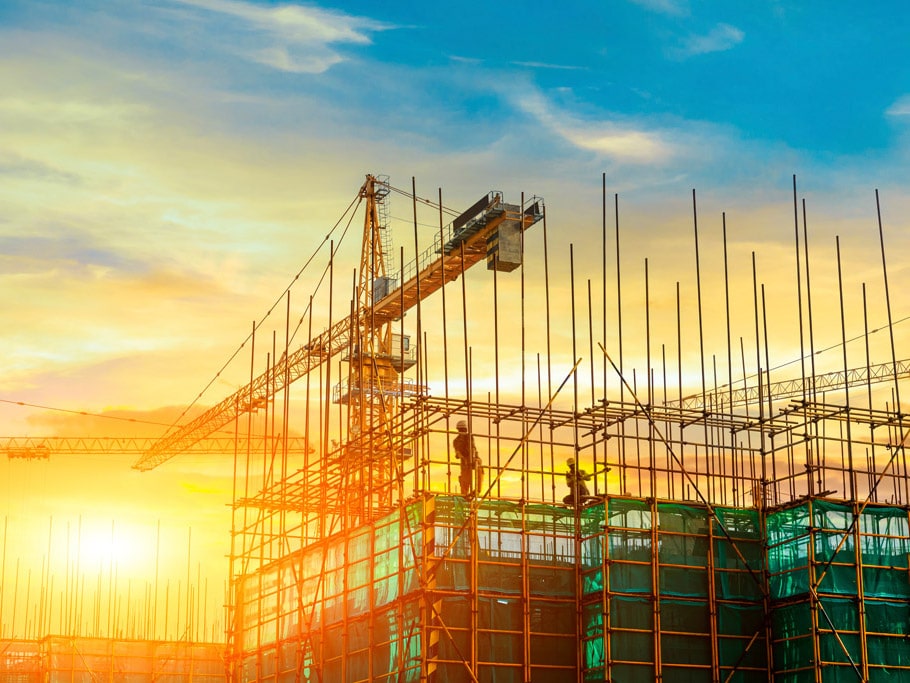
(120, 549)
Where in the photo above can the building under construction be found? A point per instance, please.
(746, 520)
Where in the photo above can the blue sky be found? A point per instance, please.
(658, 83)
(819, 77)
(166, 167)
(185, 154)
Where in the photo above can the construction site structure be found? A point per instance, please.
(58, 659)
(755, 531)
(750, 522)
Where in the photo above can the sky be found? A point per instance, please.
(166, 168)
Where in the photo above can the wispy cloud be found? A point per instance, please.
(720, 38)
(15, 165)
(291, 38)
(611, 139)
(544, 65)
(465, 60)
(901, 107)
(672, 7)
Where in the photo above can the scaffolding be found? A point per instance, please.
(58, 659)
(756, 529)
(630, 588)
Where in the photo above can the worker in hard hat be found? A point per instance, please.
(575, 480)
(470, 476)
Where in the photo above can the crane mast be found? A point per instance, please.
(374, 367)
(372, 388)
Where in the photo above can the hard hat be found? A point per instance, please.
(462, 426)
(570, 462)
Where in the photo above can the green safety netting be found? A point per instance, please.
(594, 653)
(740, 554)
(789, 554)
(882, 533)
(885, 551)
(594, 619)
(684, 581)
(632, 646)
(740, 619)
(886, 623)
(633, 673)
(495, 576)
(592, 582)
(888, 651)
(631, 613)
(787, 524)
(887, 616)
(596, 675)
(630, 578)
(829, 515)
(690, 616)
(885, 521)
(833, 547)
(498, 626)
(738, 585)
(592, 519)
(625, 544)
(741, 675)
(742, 653)
(391, 640)
(888, 629)
(845, 673)
(789, 583)
(794, 654)
(802, 676)
(684, 548)
(682, 518)
(629, 513)
(737, 523)
(592, 552)
(678, 648)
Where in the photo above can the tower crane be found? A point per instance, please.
(725, 398)
(489, 230)
(43, 447)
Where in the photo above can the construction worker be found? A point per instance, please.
(470, 476)
(575, 480)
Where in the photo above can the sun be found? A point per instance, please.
(119, 548)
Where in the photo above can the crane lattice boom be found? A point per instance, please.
(794, 388)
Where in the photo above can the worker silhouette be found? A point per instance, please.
(578, 489)
(470, 476)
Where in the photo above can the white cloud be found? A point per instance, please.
(610, 139)
(544, 65)
(722, 37)
(465, 60)
(291, 38)
(901, 107)
(672, 7)
(282, 59)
